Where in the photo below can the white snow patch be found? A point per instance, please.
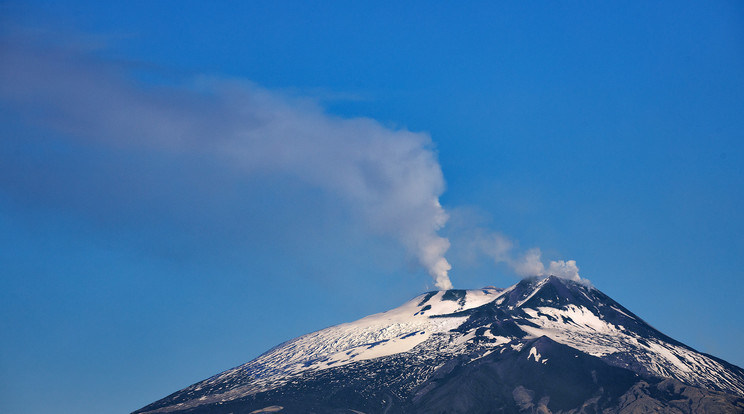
(666, 353)
(534, 354)
(270, 409)
(596, 337)
(620, 311)
(496, 340)
(387, 333)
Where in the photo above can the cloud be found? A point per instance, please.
(390, 178)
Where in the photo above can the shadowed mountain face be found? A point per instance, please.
(543, 345)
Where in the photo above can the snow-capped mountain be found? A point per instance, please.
(542, 345)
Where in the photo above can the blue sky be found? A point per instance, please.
(184, 185)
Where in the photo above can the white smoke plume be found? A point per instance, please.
(565, 269)
(390, 176)
(500, 249)
(531, 265)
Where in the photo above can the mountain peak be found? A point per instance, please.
(546, 291)
(520, 345)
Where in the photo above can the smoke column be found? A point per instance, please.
(390, 177)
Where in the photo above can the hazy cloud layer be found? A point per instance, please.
(390, 177)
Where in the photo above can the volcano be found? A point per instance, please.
(544, 345)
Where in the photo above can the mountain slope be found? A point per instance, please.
(542, 345)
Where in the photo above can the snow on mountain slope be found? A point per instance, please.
(392, 332)
(438, 329)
